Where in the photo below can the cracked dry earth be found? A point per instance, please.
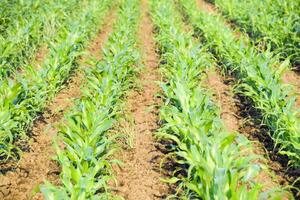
(139, 176)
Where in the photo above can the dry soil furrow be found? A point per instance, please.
(139, 177)
(210, 8)
(223, 96)
(293, 78)
(36, 62)
(36, 164)
(41, 54)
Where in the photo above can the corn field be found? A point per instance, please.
(149, 99)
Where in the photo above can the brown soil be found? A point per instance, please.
(94, 50)
(40, 56)
(37, 165)
(292, 78)
(139, 177)
(223, 95)
(211, 9)
(37, 60)
(206, 6)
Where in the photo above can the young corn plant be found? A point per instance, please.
(25, 97)
(274, 22)
(85, 157)
(259, 79)
(216, 164)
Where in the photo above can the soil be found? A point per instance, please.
(40, 56)
(37, 164)
(223, 95)
(210, 8)
(37, 60)
(293, 78)
(139, 176)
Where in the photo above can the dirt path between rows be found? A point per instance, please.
(139, 177)
(289, 77)
(37, 165)
(293, 78)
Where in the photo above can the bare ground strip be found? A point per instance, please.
(139, 176)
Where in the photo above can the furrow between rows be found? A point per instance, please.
(140, 171)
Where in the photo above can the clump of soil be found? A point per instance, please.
(292, 78)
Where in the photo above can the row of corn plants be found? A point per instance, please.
(215, 164)
(25, 26)
(23, 98)
(258, 75)
(276, 22)
(85, 158)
